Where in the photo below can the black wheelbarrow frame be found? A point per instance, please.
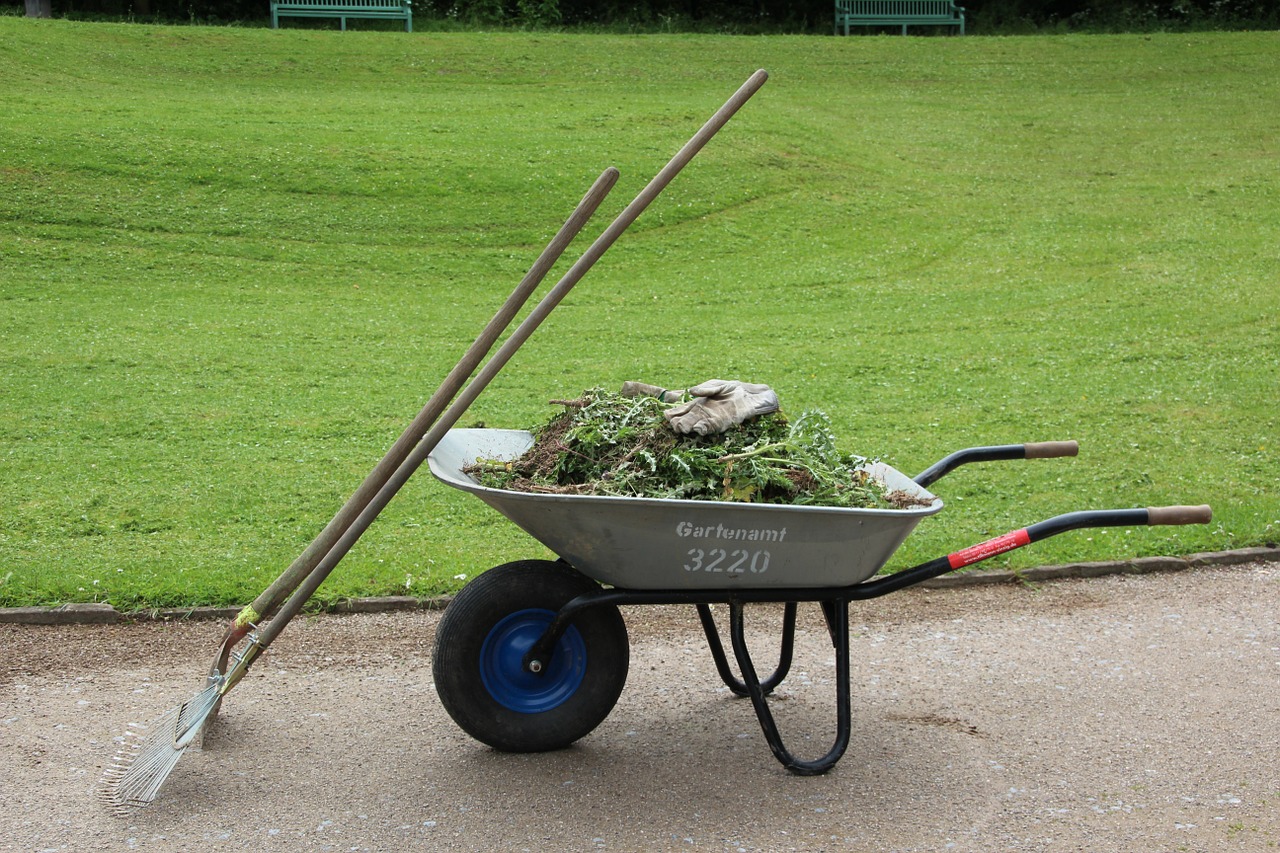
(546, 640)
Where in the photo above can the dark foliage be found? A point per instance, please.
(736, 16)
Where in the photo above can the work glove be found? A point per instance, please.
(718, 404)
(642, 389)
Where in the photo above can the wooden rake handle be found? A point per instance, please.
(270, 598)
(311, 582)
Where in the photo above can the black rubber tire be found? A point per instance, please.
(486, 602)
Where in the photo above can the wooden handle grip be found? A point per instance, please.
(1051, 449)
(1179, 514)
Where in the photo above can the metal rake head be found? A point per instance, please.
(149, 753)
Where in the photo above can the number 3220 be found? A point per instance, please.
(736, 562)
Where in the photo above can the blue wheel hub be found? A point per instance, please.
(502, 663)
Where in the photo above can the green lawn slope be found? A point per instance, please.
(235, 262)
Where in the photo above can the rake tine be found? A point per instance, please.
(149, 753)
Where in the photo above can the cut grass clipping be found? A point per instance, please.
(604, 443)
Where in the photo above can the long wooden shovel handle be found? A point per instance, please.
(272, 596)
(522, 333)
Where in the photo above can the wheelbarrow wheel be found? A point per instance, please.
(479, 655)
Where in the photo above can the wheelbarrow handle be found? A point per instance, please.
(1018, 538)
(992, 453)
(1076, 521)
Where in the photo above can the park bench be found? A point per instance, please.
(397, 10)
(904, 13)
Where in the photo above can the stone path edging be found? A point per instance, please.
(105, 614)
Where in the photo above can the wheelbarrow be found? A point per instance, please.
(532, 655)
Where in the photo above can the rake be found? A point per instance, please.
(150, 753)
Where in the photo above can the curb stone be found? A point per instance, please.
(105, 614)
(66, 614)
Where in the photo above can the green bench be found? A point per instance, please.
(396, 10)
(894, 13)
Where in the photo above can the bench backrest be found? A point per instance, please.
(344, 4)
(896, 8)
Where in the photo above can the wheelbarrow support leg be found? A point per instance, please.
(722, 663)
(837, 613)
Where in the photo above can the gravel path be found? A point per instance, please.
(1128, 713)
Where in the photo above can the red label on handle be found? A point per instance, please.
(990, 548)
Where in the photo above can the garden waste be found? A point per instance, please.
(607, 443)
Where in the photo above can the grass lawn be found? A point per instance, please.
(235, 262)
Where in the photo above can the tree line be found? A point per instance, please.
(727, 16)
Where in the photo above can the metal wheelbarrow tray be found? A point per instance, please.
(532, 655)
(645, 543)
